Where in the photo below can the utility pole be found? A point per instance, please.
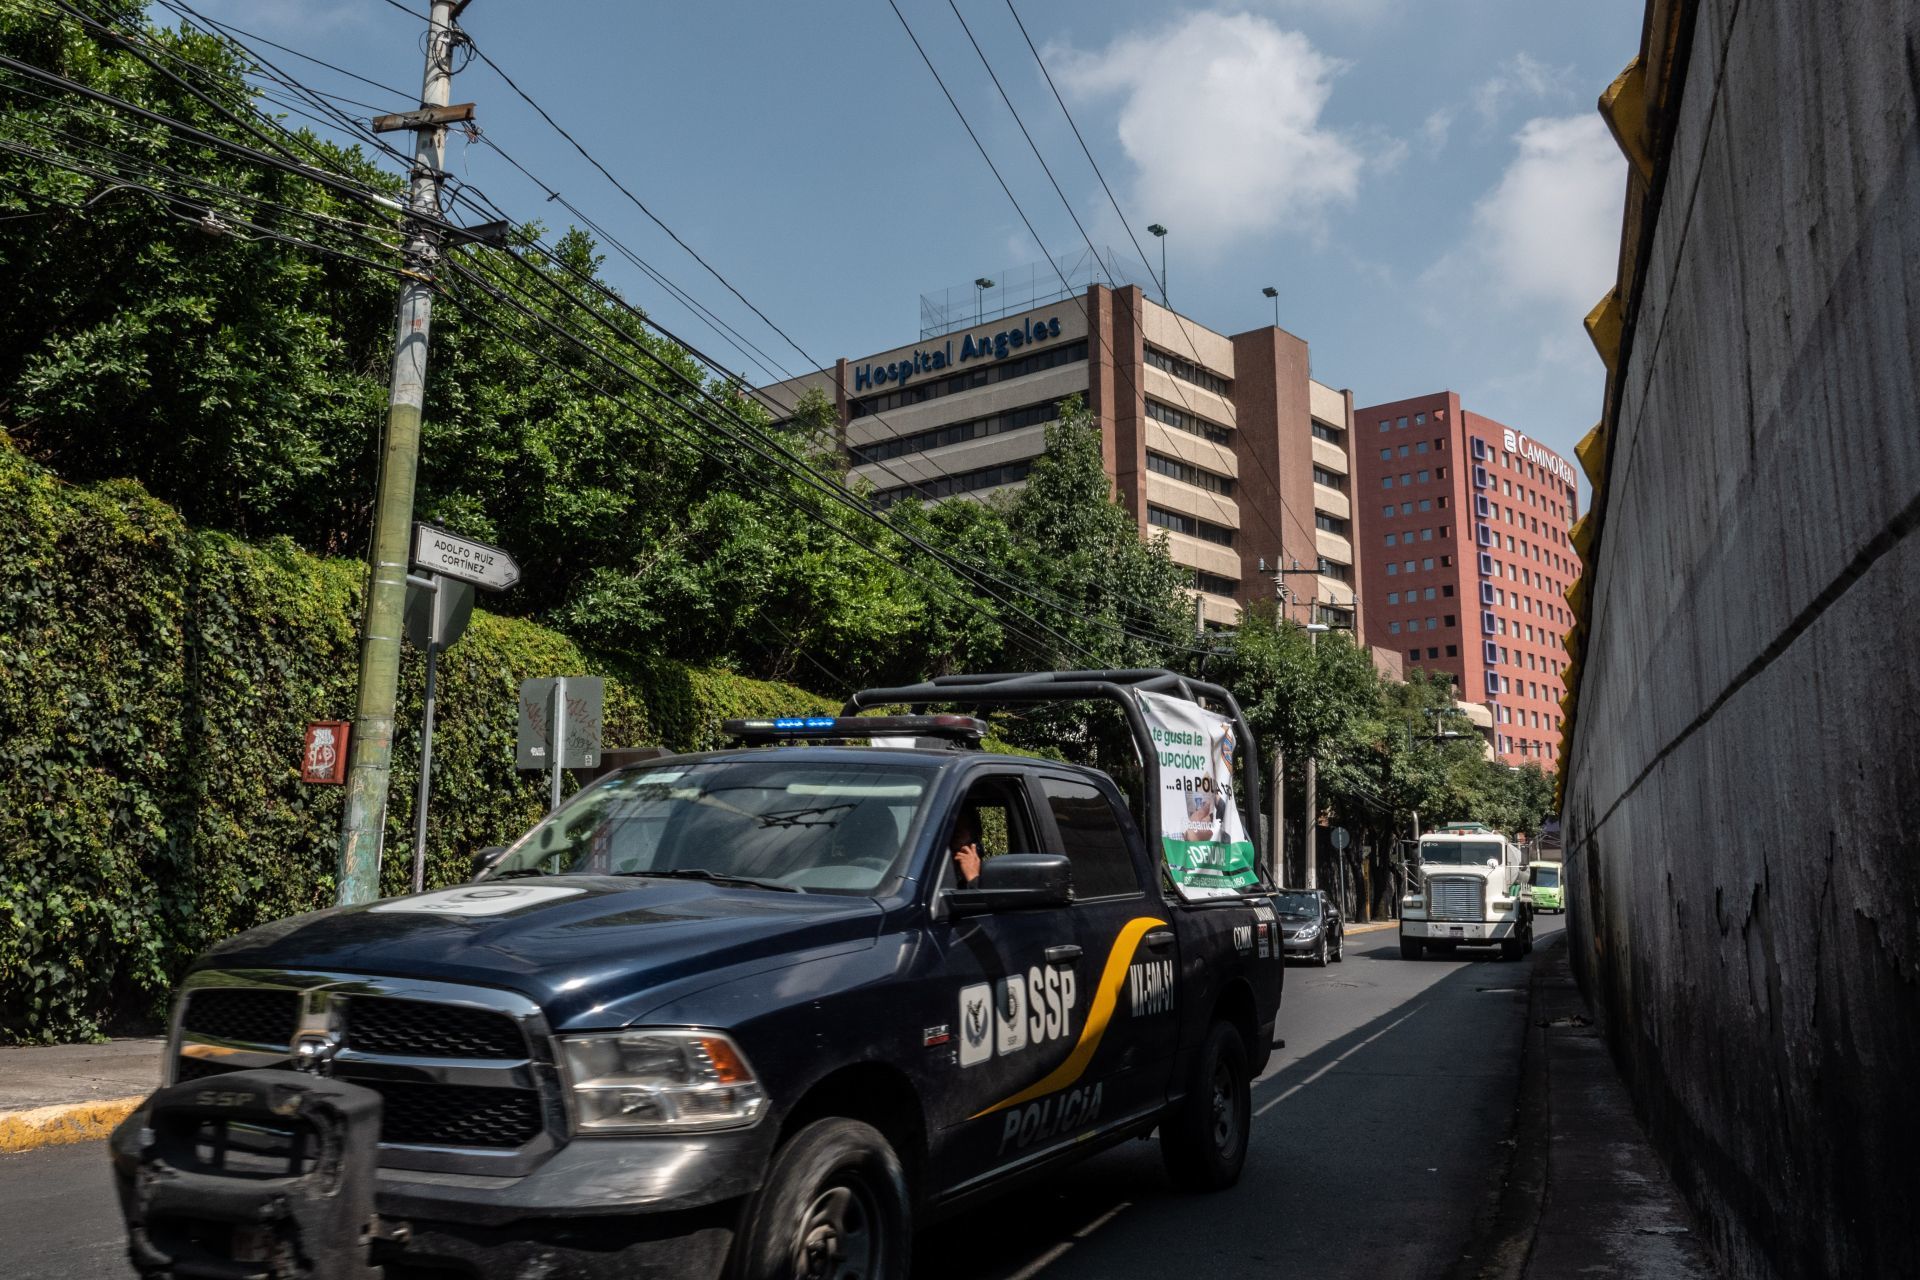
(370, 764)
(1279, 863)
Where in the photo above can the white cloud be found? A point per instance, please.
(1436, 126)
(1522, 77)
(1549, 230)
(1221, 117)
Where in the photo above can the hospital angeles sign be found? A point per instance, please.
(997, 346)
(1517, 442)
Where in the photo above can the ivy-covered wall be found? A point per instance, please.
(155, 682)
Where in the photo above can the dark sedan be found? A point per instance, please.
(1310, 926)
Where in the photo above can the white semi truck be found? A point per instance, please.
(1469, 889)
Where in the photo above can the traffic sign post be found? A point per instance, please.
(559, 728)
(437, 612)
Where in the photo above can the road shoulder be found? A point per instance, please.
(54, 1094)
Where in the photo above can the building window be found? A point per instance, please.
(1423, 477)
(956, 433)
(1403, 451)
(1393, 628)
(1213, 582)
(1453, 651)
(1393, 597)
(1205, 530)
(1406, 508)
(1419, 419)
(1426, 504)
(1386, 482)
(1427, 563)
(1187, 371)
(1408, 566)
(1426, 535)
(1386, 455)
(1433, 653)
(1421, 447)
(1189, 474)
(1332, 524)
(1330, 433)
(1331, 479)
(1392, 568)
(1401, 423)
(1335, 570)
(1181, 420)
(1387, 511)
(1429, 593)
(1391, 539)
(1413, 655)
(956, 483)
(1449, 619)
(1447, 591)
(1406, 478)
(1386, 424)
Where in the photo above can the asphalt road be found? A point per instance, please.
(1377, 1141)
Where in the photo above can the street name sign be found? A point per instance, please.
(451, 556)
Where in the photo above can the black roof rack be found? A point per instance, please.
(1029, 687)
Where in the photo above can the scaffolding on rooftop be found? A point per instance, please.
(1022, 288)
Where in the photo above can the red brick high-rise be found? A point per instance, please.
(1464, 526)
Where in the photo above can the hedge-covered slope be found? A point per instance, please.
(155, 681)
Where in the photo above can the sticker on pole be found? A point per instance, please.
(479, 900)
(1202, 837)
(451, 556)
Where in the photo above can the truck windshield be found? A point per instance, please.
(1461, 852)
(1547, 877)
(1297, 904)
(830, 826)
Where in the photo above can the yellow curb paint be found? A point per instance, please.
(1374, 927)
(68, 1122)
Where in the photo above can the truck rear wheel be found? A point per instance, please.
(834, 1205)
(1409, 948)
(1204, 1142)
(1513, 948)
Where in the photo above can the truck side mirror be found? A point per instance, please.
(1014, 882)
(484, 860)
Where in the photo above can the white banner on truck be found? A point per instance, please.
(1196, 759)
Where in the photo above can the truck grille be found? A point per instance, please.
(246, 1015)
(1456, 898)
(383, 1039)
(421, 1029)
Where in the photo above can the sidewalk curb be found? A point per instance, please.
(1375, 927)
(1504, 1231)
(63, 1123)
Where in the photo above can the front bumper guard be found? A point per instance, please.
(252, 1175)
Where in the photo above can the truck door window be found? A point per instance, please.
(1095, 845)
(999, 807)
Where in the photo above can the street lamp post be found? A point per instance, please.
(980, 287)
(1160, 233)
(1314, 632)
(1271, 292)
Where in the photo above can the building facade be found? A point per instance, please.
(1222, 443)
(1463, 529)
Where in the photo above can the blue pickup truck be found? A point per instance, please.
(743, 1011)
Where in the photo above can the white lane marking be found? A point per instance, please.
(1266, 1107)
(1059, 1251)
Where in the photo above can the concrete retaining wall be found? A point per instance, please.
(1743, 798)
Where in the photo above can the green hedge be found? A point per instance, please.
(155, 682)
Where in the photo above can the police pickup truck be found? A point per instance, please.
(739, 1011)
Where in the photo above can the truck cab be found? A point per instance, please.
(740, 1009)
(1469, 890)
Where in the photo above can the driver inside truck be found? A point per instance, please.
(964, 847)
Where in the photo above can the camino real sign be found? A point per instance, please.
(451, 556)
(996, 346)
(1517, 442)
(1202, 837)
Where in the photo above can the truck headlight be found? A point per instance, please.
(659, 1081)
(1415, 903)
(1502, 904)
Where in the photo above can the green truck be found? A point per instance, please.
(1548, 895)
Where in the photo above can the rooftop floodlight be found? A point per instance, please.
(980, 286)
(1271, 292)
(1155, 229)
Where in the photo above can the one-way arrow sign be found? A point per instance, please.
(486, 567)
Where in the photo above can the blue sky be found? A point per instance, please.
(1425, 181)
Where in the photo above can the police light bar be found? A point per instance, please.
(791, 728)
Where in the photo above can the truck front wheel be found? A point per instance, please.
(1204, 1142)
(835, 1204)
(1409, 948)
